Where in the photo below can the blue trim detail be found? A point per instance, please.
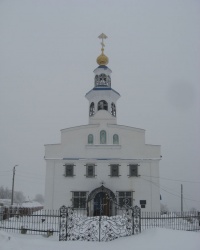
(96, 88)
(102, 88)
(102, 67)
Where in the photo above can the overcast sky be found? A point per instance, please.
(48, 51)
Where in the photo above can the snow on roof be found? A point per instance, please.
(31, 204)
(7, 203)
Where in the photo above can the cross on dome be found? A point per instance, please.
(102, 59)
(102, 36)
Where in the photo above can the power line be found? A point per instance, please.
(170, 179)
(170, 192)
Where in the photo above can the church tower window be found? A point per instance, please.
(91, 109)
(90, 139)
(113, 109)
(115, 139)
(102, 79)
(108, 81)
(96, 80)
(102, 105)
(103, 137)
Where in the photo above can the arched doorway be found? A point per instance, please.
(102, 205)
(101, 200)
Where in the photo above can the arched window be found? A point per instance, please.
(115, 139)
(103, 137)
(109, 81)
(102, 79)
(102, 105)
(90, 139)
(91, 113)
(113, 109)
(96, 80)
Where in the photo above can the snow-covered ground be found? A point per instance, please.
(152, 239)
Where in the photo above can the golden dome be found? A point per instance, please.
(102, 59)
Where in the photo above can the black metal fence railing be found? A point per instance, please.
(187, 221)
(26, 220)
(68, 225)
(98, 228)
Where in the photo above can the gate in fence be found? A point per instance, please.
(99, 228)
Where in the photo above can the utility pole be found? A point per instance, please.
(13, 181)
(181, 198)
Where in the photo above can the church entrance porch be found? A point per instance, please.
(101, 202)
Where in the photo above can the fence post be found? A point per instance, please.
(99, 228)
(136, 220)
(63, 223)
(132, 220)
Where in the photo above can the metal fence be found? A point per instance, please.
(98, 228)
(69, 224)
(187, 221)
(29, 221)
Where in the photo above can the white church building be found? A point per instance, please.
(102, 161)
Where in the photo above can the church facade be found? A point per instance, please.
(101, 162)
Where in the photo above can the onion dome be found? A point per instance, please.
(102, 59)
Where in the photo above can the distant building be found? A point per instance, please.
(100, 162)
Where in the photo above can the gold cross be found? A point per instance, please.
(102, 36)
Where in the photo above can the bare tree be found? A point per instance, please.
(5, 193)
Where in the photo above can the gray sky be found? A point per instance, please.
(48, 52)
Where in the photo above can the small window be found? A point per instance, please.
(69, 170)
(114, 170)
(79, 199)
(91, 113)
(125, 198)
(115, 139)
(96, 80)
(102, 105)
(113, 109)
(143, 203)
(133, 170)
(90, 139)
(103, 137)
(90, 170)
(109, 81)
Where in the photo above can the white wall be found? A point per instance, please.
(131, 149)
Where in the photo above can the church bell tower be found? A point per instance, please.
(102, 98)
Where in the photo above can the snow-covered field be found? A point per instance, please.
(152, 239)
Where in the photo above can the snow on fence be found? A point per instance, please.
(187, 221)
(98, 228)
(30, 221)
(72, 225)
